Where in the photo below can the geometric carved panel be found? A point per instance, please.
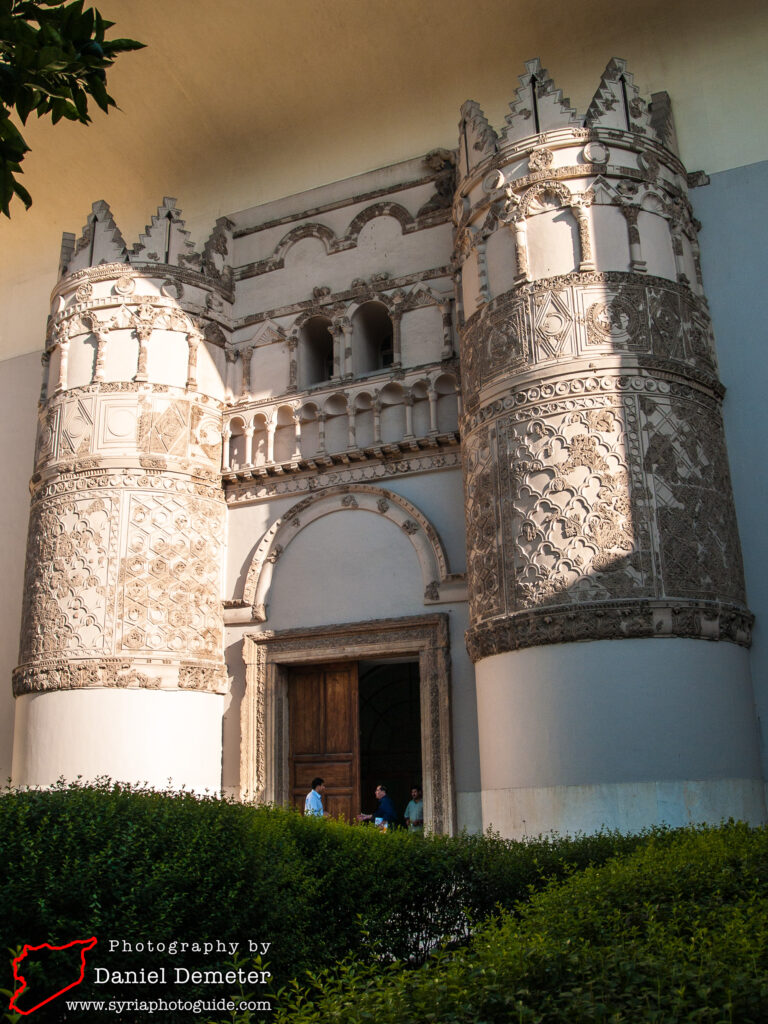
(67, 592)
(169, 588)
(687, 466)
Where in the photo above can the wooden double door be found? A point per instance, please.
(324, 734)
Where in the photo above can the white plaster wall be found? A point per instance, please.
(421, 336)
(82, 352)
(158, 737)
(121, 358)
(586, 734)
(656, 243)
(382, 247)
(269, 370)
(262, 244)
(168, 358)
(19, 389)
(553, 243)
(610, 239)
(438, 495)
(501, 260)
(346, 567)
(211, 371)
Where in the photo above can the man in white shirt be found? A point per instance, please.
(313, 805)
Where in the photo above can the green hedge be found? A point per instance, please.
(122, 863)
(676, 931)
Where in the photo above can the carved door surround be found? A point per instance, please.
(264, 769)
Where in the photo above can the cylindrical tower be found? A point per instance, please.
(121, 665)
(601, 532)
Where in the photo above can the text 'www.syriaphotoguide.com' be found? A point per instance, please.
(167, 1005)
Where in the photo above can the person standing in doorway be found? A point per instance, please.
(414, 812)
(385, 816)
(313, 805)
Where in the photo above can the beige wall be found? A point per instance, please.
(237, 103)
(19, 389)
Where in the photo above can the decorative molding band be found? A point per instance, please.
(115, 673)
(372, 468)
(588, 317)
(344, 296)
(620, 620)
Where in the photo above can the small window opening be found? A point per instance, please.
(316, 353)
(373, 338)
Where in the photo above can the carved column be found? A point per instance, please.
(636, 261)
(352, 429)
(346, 328)
(63, 363)
(587, 262)
(521, 249)
(102, 338)
(396, 317)
(377, 420)
(246, 355)
(432, 396)
(226, 454)
(249, 432)
(271, 428)
(193, 340)
(338, 352)
(293, 366)
(297, 435)
(45, 360)
(408, 402)
(231, 357)
(445, 312)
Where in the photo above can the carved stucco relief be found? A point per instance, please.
(169, 596)
(69, 582)
(585, 315)
(619, 496)
(126, 607)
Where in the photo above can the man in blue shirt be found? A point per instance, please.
(385, 815)
(313, 805)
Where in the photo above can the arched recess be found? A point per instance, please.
(325, 234)
(358, 498)
(395, 210)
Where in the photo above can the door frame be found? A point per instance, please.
(264, 775)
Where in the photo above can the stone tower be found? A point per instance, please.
(601, 533)
(121, 664)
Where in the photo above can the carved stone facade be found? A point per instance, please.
(527, 311)
(598, 496)
(126, 537)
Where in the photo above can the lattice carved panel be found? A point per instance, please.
(169, 594)
(68, 591)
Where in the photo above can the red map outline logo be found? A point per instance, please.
(85, 943)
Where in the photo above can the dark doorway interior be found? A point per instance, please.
(390, 731)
